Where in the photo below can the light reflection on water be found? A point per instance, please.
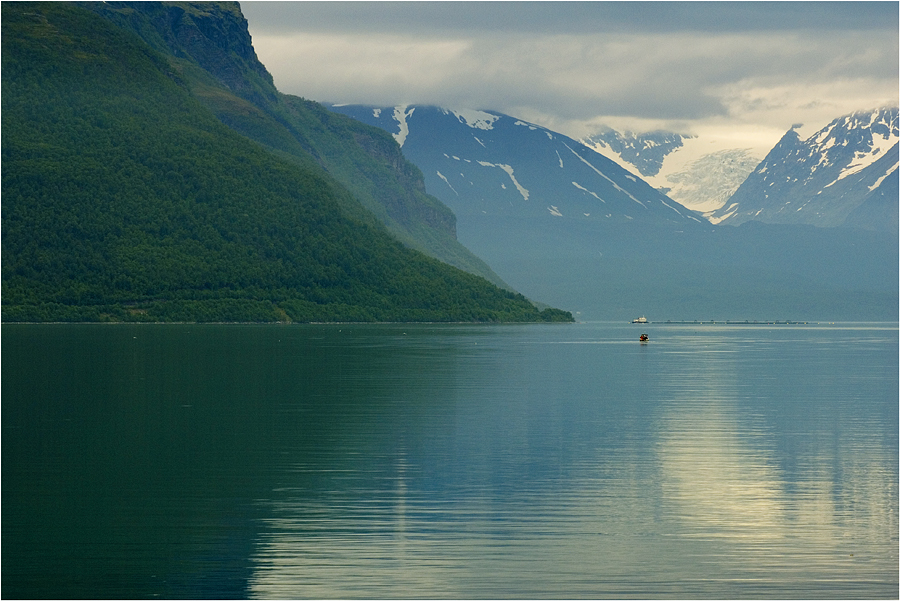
(680, 493)
(451, 461)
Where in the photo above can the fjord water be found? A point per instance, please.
(717, 461)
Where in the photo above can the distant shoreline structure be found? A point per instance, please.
(729, 322)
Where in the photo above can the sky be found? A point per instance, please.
(742, 73)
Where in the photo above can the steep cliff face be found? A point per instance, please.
(212, 34)
(237, 87)
(401, 205)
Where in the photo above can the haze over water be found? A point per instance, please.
(450, 461)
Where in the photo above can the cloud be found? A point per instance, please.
(571, 65)
(569, 17)
(372, 68)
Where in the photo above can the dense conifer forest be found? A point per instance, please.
(124, 198)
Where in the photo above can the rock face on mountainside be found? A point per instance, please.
(844, 174)
(214, 34)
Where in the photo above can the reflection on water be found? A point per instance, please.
(593, 475)
(451, 461)
(722, 478)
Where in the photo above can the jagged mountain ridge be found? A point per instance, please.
(844, 174)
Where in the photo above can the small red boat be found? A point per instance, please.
(645, 338)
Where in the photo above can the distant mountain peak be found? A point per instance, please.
(646, 151)
(679, 165)
(847, 167)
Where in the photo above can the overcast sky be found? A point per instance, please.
(749, 70)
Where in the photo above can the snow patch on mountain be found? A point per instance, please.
(707, 183)
(509, 171)
(644, 152)
(604, 176)
(475, 119)
(400, 116)
(719, 219)
(878, 182)
(881, 143)
(446, 181)
(582, 188)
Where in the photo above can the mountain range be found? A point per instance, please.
(561, 222)
(153, 172)
(487, 163)
(843, 174)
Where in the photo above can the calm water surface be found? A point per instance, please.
(450, 461)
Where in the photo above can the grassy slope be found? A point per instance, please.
(126, 199)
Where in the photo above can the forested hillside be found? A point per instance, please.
(124, 198)
(209, 46)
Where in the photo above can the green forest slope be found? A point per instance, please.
(208, 44)
(125, 198)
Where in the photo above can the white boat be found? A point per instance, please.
(640, 319)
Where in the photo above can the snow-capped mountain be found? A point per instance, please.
(844, 174)
(562, 223)
(706, 183)
(645, 151)
(696, 172)
(486, 163)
